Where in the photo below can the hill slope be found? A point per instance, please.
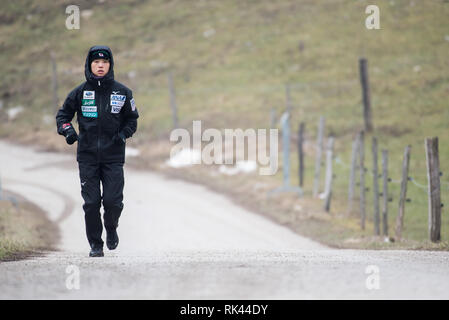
(231, 61)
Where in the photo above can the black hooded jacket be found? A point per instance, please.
(104, 108)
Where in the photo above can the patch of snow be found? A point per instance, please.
(184, 158)
(14, 112)
(240, 166)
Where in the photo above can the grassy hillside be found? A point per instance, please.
(231, 60)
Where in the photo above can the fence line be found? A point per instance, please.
(340, 162)
(380, 215)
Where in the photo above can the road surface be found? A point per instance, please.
(183, 241)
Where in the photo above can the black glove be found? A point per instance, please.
(71, 138)
(119, 139)
(69, 133)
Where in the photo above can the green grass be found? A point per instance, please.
(8, 248)
(14, 237)
(234, 77)
(25, 230)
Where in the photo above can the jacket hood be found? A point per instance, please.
(109, 77)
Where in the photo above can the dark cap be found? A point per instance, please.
(99, 54)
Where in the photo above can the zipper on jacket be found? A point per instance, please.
(99, 123)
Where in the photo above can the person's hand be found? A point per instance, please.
(119, 139)
(71, 138)
(70, 134)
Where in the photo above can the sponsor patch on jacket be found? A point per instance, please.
(133, 104)
(118, 97)
(88, 102)
(89, 111)
(117, 103)
(115, 109)
(90, 114)
(88, 94)
(117, 100)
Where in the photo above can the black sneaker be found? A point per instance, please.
(111, 239)
(96, 252)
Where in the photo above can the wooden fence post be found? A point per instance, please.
(362, 180)
(403, 195)
(301, 153)
(355, 146)
(385, 192)
(173, 106)
(376, 189)
(434, 192)
(329, 173)
(319, 153)
(363, 65)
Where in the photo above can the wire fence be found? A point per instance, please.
(418, 193)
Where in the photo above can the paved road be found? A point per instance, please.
(182, 241)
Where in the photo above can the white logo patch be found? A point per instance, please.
(118, 97)
(89, 108)
(133, 104)
(88, 94)
(115, 109)
(117, 102)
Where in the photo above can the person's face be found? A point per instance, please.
(100, 67)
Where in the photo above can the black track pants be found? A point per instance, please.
(111, 177)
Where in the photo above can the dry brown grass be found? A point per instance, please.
(25, 230)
